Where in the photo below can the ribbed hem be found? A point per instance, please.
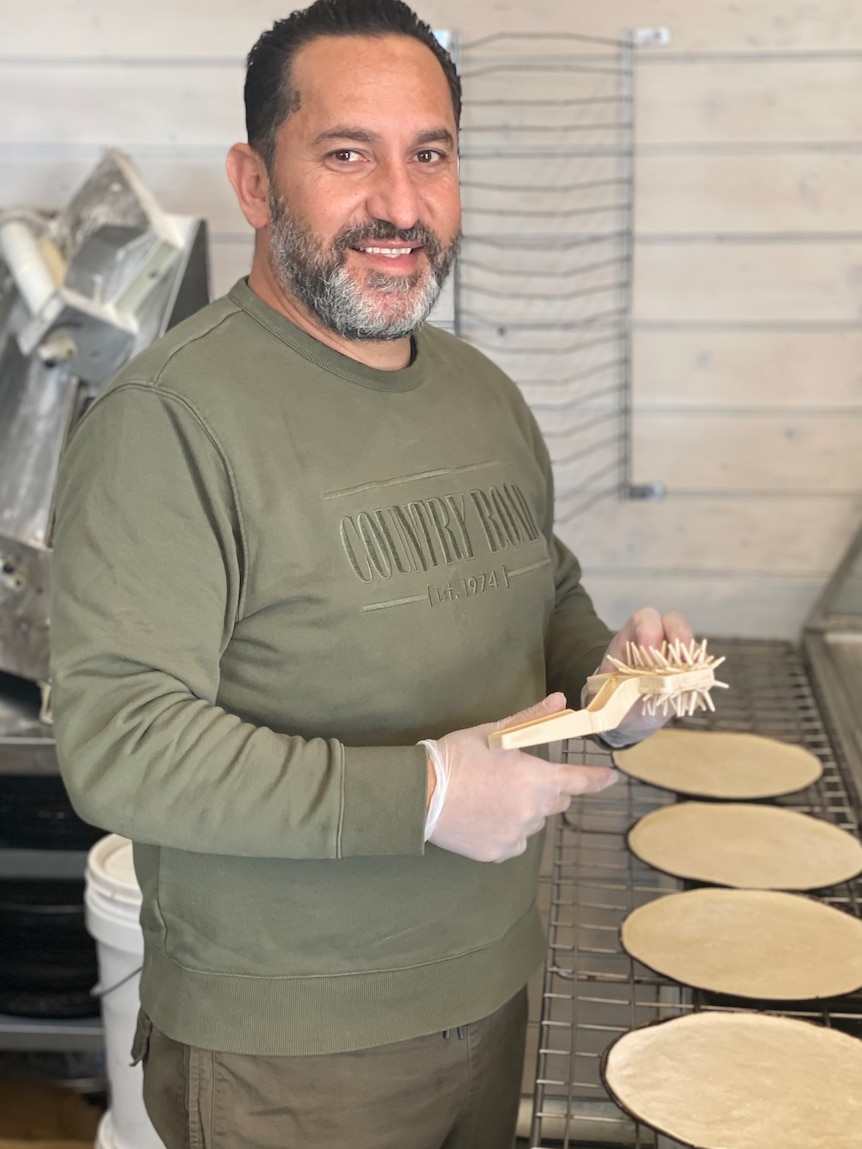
(281, 1016)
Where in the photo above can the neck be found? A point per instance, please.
(384, 355)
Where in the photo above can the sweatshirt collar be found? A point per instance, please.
(407, 379)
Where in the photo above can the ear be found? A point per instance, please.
(248, 175)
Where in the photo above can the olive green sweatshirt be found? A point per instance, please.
(276, 569)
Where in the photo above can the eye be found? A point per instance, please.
(345, 156)
(429, 156)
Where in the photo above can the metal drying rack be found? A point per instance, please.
(592, 990)
(544, 282)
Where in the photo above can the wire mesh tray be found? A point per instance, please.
(592, 990)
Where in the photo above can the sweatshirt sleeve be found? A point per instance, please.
(577, 638)
(147, 584)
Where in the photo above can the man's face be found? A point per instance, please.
(364, 187)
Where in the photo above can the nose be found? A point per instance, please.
(392, 195)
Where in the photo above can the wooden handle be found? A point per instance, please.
(616, 695)
(607, 710)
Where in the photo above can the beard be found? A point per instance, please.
(374, 307)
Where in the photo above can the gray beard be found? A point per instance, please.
(385, 307)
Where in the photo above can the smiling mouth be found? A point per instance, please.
(390, 252)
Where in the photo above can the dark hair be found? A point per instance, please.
(268, 95)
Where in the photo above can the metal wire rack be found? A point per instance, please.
(592, 990)
(544, 281)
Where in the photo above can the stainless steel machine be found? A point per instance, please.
(80, 293)
(832, 644)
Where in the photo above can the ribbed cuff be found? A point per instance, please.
(385, 793)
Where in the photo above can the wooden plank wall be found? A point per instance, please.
(748, 376)
(748, 256)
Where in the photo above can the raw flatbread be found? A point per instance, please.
(741, 1081)
(748, 943)
(718, 764)
(756, 847)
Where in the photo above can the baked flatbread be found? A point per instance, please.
(754, 847)
(740, 1081)
(717, 764)
(748, 943)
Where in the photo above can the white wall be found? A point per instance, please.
(748, 257)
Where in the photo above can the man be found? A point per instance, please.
(304, 560)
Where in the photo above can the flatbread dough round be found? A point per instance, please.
(748, 943)
(754, 847)
(719, 764)
(740, 1081)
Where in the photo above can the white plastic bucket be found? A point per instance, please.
(106, 1136)
(113, 903)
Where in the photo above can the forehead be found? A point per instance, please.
(388, 79)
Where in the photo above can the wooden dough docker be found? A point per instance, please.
(674, 680)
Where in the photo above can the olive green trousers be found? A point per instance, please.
(453, 1090)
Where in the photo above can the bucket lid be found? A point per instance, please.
(111, 869)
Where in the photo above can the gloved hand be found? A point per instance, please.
(496, 799)
(645, 628)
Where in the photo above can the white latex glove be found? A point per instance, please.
(496, 799)
(645, 628)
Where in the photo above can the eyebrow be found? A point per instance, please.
(362, 136)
